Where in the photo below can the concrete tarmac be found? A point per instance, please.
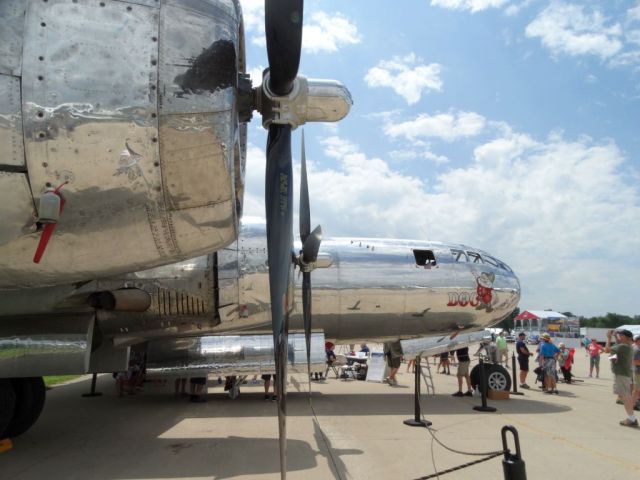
(351, 430)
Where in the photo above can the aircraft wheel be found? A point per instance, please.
(7, 405)
(30, 395)
(496, 377)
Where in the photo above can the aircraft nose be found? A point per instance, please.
(511, 290)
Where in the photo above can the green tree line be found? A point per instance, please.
(610, 320)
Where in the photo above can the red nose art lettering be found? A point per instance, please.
(453, 300)
(465, 299)
(483, 297)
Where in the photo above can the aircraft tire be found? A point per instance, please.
(30, 395)
(496, 376)
(7, 405)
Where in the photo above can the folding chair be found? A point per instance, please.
(334, 368)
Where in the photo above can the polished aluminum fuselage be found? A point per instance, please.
(133, 103)
(375, 290)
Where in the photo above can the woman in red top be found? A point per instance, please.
(594, 349)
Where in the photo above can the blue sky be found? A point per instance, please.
(511, 126)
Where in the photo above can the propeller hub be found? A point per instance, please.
(310, 100)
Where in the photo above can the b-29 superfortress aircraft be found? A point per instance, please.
(122, 149)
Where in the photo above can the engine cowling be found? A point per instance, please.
(133, 106)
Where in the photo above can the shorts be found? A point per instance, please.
(549, 366)
(636, 380)
(267, 377)
(524, 364)
(198, 380)
(622, 385)
(463, 369)
(594, 361)
(393, 362)
(502, 352)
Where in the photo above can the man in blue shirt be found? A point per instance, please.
(548, 355)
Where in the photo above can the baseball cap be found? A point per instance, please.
(636, 337)
(545, 335)
(625, 333)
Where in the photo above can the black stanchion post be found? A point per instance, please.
(512, 465)
(514, 377)
(93, 392)
(416, 421)
(483, 389)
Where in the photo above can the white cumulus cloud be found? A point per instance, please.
(407, 76)
(471, 5)
(327, 33)
(322, 32)
(568, 29)
(633, 14)
(414, 154)
(448, 126)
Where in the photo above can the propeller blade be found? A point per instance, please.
(305, 211)
(310, 248)
(283, 28)
(310, 240)
(279, 212)
(306, 317)
(282, 351)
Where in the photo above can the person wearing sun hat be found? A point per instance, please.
(548, 355)
(621, 362)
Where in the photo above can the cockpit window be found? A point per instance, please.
(490, 260)
(459, 255)
(496, 262)
(474, 257)
(424, 258)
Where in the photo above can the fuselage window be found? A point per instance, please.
(424, 258)
(459, 255)
(474, 257)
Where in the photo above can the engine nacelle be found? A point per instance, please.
(133, 106)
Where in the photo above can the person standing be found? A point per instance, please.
(548, 355)
(463, 372)
(267, 381)
(523, 359)
(621, 361)
(393, 353)
(565, 358)
(594, 349)
(444, 363)
(503, 351)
